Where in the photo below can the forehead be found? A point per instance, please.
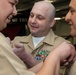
(41, 5)
(73, 4)
(40, 8)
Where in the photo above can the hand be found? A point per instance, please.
(9, 41)
(24, 55)
(65, 51)
(19, 50)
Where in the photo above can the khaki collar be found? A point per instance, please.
(49, 39)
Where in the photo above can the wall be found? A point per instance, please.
(62, 28)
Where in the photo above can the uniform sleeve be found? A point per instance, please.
(29, 73)
(8, 61)
(72, 69)
(7, 69)
(5, 66)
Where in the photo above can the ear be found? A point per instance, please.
(52, 23)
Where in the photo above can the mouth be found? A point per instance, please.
(9, 19)
(70, 22)
(34, 27)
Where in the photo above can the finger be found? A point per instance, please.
(67, 63)
(64, 60)
(19, 45)
(15, 49)
(74, 58)
(72, 54)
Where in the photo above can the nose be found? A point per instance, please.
(67, 18)
(34, 19)
(14, 11)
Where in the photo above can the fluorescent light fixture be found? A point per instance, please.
(49, 1)
(58, 18)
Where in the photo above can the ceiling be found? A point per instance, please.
(24, 7)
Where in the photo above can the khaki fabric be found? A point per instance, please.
(50, 42)
(71, 70)
(10, 64)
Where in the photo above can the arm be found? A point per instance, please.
(50, 66)
(36, 68)
(62, 52)
(25, 56)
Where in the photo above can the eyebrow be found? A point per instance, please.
(70, 8)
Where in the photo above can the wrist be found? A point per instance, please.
(53, 56)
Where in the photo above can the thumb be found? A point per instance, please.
(19, 45)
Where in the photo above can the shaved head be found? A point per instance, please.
(41, 18)
(48, 7)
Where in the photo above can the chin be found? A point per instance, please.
(33, 32)
(1, 29)
(4, 27)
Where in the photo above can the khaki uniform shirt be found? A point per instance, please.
(71, 69)
(10, 64)
(50, 42)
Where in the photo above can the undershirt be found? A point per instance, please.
(37, 40)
